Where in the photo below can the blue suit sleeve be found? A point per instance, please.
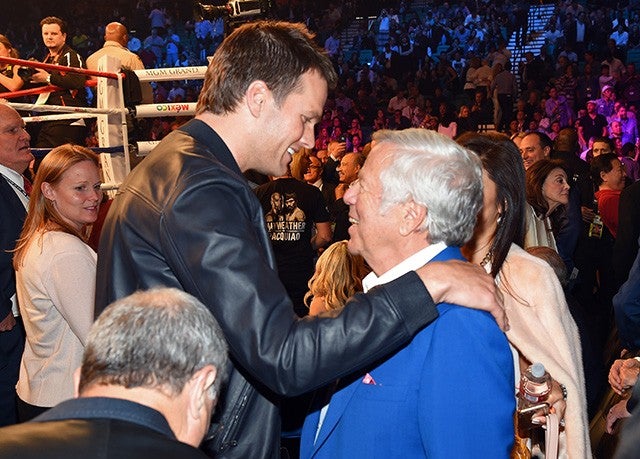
(467, 397)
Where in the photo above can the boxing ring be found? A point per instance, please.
(110, 111)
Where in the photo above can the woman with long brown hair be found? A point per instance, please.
(55, 276)
(541, 326)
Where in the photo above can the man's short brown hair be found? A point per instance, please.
(277, 53)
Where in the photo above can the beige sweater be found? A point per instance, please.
(56, 288)
(543, 330)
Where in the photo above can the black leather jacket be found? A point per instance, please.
(186, 218)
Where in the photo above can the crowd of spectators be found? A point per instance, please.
(437, 65)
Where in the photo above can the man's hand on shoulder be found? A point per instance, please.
(465, 284)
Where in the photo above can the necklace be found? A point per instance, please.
(488, 258)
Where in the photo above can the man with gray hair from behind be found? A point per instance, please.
(150, 378)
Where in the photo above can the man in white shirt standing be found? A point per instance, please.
(116, 38)
(15, 156)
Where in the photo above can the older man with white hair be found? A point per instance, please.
(448, 393)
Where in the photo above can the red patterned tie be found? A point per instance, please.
(27, 186)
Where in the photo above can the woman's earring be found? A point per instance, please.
(499, 219)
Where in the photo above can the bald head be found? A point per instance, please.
(116, 32)
(14, 140)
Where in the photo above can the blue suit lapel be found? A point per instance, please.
(339, 402)
(340, 399)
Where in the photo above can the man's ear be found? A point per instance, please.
(413, 216)
(257, 95)
(201, 382)
(547, 152)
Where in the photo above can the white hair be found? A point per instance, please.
(435, 172)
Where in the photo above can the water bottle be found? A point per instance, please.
(535, 385)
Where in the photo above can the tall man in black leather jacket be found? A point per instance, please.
(186, 218)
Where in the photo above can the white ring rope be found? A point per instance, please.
(63, 116)
(66, 109)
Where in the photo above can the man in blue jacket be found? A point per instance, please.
(449, 392)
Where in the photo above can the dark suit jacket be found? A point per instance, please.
(12, 214)
(626, 307)
(340, 215)
(571, 36)
(95, 427)
(626, 246)
(329, 193)
(330, 173)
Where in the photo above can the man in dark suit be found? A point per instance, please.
(313, 176)
(577, 32)
(152, 368)
(348, 169)
(15, 156)
(336, 150)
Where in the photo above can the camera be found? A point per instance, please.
(232, 10)
(27, 72)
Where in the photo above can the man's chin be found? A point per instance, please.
(352, 244)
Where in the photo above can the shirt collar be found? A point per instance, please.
(108, 408)
(13, 175)
(412, 263)
(113, 43)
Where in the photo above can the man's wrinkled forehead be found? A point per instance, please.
(9, 117)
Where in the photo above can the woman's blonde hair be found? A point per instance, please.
(338, 276)
(42, 213)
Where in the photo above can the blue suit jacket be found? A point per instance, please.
(448, 394)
